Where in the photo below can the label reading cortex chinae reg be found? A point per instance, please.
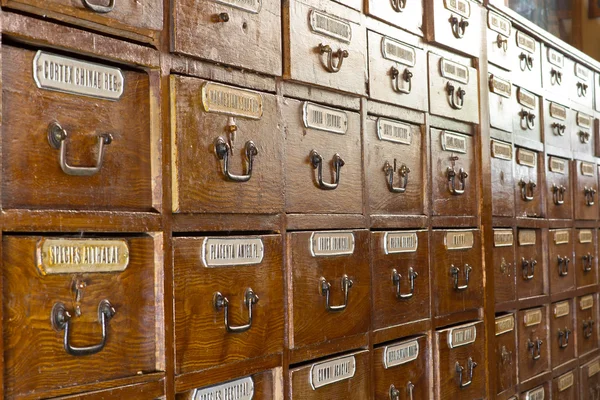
(240, 389)
(328, 372)
(225, 252)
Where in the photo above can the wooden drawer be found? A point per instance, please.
(243, 34)
(110, 288)
(560, 258)
(501, 104)
(397, 71)
(581, 90)
(503, 183)
(565, 386)
(562, 332)
(526, 115)
(589, 380)
(531, 274)
(455, 24)
(533, 347)
(500, 47)
(227, 149)
(335, 378)
(582, 133)
(454, 176)
(395, 164)
(585, 196)
(557, 72)
(329, 285)
(400, 277)
(137, 20)
(586, 257)
(457, 274)
(506, 353)
(323, 159)
(587, 323)
(453, 88)
(400, 370)
(528, 183)
(407, 15)
(538, 393)
(106, 163)
(558, 189)
(231, 290)
(460, 353)
(505, 288)
(325, 45)
(557, 125)
(526, 61)
(264, 385)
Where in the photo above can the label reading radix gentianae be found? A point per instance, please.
(401, 353)
(240, 389)
(223, 99)
(331, 26)
(331, 243)
(324, 118)
(225, 252)
(328, 372)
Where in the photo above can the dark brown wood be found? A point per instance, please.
(227, 222)
(404, 330)
(585, 314)
(547, 389)
(562, 392)
(583, 252)
(528, 173)
(561, 279)
(141, 390)
(528, 367)
(503, 183)
(558, 179)
(505, 358)
(585, 207)
(302, 222)
(505, 268)
(589, 379)
(560, 325)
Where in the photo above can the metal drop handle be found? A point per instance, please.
(332, 66)
(527, 190)
(462, 175)
(221, 302)
(589, 196)
(458, 27)
(395, 393)
(563, 265)
(61, 319)
(558, 194)
(99, 9)
(398, 5)
(506, 356)
(535, 348)
(460, 371)
(588, 328)
(558, 129)
(555, 77)
(223, 151)
(527, 267)
(317, 163)
(403, 172)
(455, 271)
(456, 96)
(587, 262)
(407, 76)
(502, 42)
(325, 290)
(396, 279)
(563, 338)
(529, 119)
(582, 89)
(526, 62)
(584, 137)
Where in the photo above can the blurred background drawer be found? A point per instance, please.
(560, 259)
(500, 98)
(589, 379)
(503, 183)
(404, 14)
(585, 196)
(531, 273)
(528, 183)
(582, 133)
(505, 288)
(455, 24)
(526, 116)
(526, 61)
(587, 323)
(562, 332)
(559, 188)
(581, 90)
(500, 48)
(533, 347)
(557, 124)
(586, 257)
(505, 353)
(557, 72)
(564, 387)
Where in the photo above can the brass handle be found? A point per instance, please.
(398, 5)
(535, 348)
(555, 77)
(584, 137)
(396, 278)
(582, 89)
(506, 356)
(340, 55)
(99, 9)
(529, 119)
(221, 302)
(455, 271)
(526, 189)
(588, 262)
(57, 138)
(558, 194)
(456, 96)
(558, 129)
(563, 265)
(588, 328)
(526, 62)
(61, 319)
(527, 267)
(563, 338)
(460, 370)
(502, 42)
(224, 152)
(317, 163)
(403, 172)
(407, 76)
(589, 196)
(458, 27)
(325, 290)
(462, 176)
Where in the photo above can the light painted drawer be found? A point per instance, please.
(456, 24)
(526, 119)
(526, 61)
(557, 124)
(405, 14)
(581, 89)
(500, 47)
(500, 98)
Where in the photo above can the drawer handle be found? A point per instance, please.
(61, 319)
(584, 137)
(588, 262)
(455, 271)
(457, 96)
(558, 194)
(529, 119)
(398, 5)
(582, 89)
(558, 129)
(396, 278)
(526, 62)
(223, 151)
(317, 163)
(403, 172)
(57, 138)
(459, 370)
(506, 356)
(526, 189)
(222, 303)
(563, 265)
(395, 393)
(555, 77)
(407, 76)
(458, 27)
(563, 338)
(452, 175)
(588, 328)
(502, 42)
(340, 55)
(99, 9)
(528, 268)
(589, 196)
(325, 290)
(535, 348)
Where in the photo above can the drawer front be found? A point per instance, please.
(528, 183)
(407, 15)
(537, 393)
(503, 183)
(457, 24)
(586, 256)
(233, 32)
(454, 175)
(501, 103)
(107, 154)
(561, 262)
(228, 159)
(230, 289)
(456, 346)
(401, 369)
(558, 188)
(590, 380)
(557, 72)
(505, 288)
(530, 263)
(526, 115)
(587, 323)
(506, 353)
(457, 275)
(500, 47)
(453, 89)
(565, 386)
(526, 61)
(400, 277)
(534, 350)
(331, 285)
(327, 46)
(323, 159)
(394, 161)
(335, 378)
(557, 125)
(397, 71)
(562, 332)
(585, 197)
(108, 285)
(582, 133)
(264, 385)
(582, 85)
